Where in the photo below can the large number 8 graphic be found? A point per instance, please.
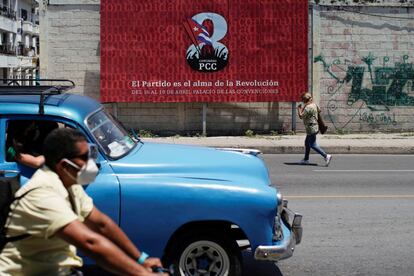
(207, 29)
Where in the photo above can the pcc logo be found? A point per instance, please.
(207, 53)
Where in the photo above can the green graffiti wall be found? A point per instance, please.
(370, 92)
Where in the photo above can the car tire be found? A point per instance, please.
(203, 253)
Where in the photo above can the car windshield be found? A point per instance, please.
(110, 135)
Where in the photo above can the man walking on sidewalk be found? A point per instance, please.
(309, 114)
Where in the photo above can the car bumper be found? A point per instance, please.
(284, 248)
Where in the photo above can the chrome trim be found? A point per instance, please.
(294, 223)
(89, 133)
(9, 171)
(254, 152)
(287, 246)
(297, 227)
(85, 121)
(277, 227)
(280, 205)
(276, 252)
(279, 198)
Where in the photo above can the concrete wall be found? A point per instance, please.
(345, 38)
(363, 65)
(69, 43)
(222, 118)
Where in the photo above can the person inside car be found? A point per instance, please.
(21, 145)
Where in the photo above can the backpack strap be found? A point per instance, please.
(23, 236)
(19, 237)
(16, 238)
(25, 193)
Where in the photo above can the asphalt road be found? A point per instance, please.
(358, 215)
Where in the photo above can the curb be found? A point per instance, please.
(295, 145)
(336, 150)
(339, 149)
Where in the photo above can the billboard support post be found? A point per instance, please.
(115, 109)
(204, 119)
(293, 116)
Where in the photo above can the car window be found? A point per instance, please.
(24, 144)
(111, 136)
(27, 136)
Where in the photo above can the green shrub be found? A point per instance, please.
(249, 133)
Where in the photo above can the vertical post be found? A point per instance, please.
(204, 119)
(293, 116)
(115, 109)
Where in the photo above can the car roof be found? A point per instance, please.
(71, 106)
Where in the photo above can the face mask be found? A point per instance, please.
(87, 173)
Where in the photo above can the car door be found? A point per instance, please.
(4, 165)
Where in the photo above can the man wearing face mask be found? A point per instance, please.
(54, 216)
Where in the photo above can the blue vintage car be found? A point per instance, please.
(195, 207)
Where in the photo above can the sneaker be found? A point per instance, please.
(328, 159)
(303, 162)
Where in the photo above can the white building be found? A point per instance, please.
(19, 39)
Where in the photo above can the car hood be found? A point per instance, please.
(169, 161)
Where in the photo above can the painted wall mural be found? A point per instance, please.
(371, 90)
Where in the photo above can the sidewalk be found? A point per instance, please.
(376, 143)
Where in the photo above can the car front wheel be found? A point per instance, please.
(206, 254)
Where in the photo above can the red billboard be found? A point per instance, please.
(203, 51)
